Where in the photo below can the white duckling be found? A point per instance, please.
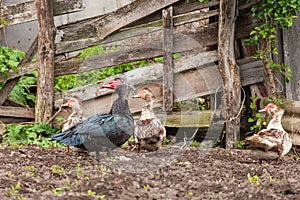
(272, 142)
(150, 131)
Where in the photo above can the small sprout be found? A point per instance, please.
(190, 193)
(100, 196)
(91, 193)
(58, 190)
(254, 179)
(57, 170)
(146, 187)
(79, 170)
(9, 174)
(266, 165)
(195, 143)
(184, 163)
(274, 180)
(227, 154)
(110, 158)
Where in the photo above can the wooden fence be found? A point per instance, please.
(138, 30)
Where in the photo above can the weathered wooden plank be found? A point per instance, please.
(140, 75)
(25, 12)
(291, 48)
(168, 63)
(86, 39)
(204, 36)
(154, 71)
(187, 85)
(19, 112)
(179, 8)
(109, 23)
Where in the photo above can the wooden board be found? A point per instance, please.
(86, 39)
(109, 23)
(188, 85)
(25, 12)
(140, 75)
(18, 112)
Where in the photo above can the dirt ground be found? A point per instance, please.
(31, 172)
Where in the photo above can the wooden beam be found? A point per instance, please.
(187, 85)
(25, 12)
(168, 63)
(229, 71)
(154, 71)
(19, 112)
(46, 53)
(83, 39)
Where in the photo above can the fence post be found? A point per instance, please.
(168, 63)
(229, 71)
(46, 53)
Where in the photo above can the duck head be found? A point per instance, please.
(74, 103)
(144, 94)
(121, 86)
(273, 110)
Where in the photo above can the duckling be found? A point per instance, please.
(150, 131)
(272, 142)
(75, 117)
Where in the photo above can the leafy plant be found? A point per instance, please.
(254, 179)
(9, 59)
(257, 118)
(14, 192)
(78, 170)
(195, 143)
(57, 170)
(270, 14)
(93, 193)
(38, 133)
(21, 92)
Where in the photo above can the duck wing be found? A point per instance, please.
(267, 139)
(95, 131)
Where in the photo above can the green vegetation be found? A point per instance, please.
(254, 179)
(94, 194)
(57, 170)
(38, 133)
(14, 192)
(269, 15)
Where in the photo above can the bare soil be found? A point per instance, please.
(166, 174)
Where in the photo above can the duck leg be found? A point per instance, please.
(67, 149)
(97, 156)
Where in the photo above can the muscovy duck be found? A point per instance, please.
(272, 142)
(103, 132)
(74, 118)
(150, 131)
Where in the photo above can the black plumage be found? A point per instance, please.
(103, 132)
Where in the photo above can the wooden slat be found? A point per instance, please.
(168, 63)
(109, 23)
(137, 76)
(187, 85)
(19, 112)
(86, 39)
(151, 47)
(25, 12)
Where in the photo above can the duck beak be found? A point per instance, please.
(263, 110)
(112, 84)
(66, 105)
(136, 96)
